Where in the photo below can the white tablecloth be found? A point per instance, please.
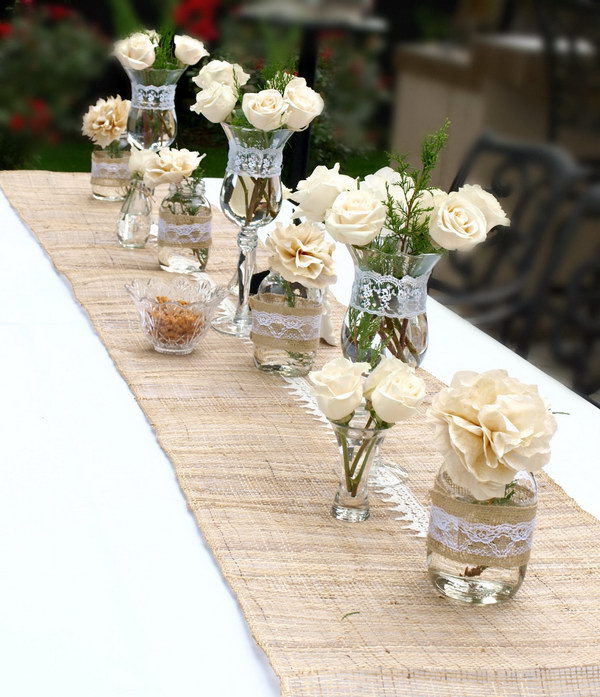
(106, 586)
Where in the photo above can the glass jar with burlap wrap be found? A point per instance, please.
(477, 551)
(184, 228)
(109, 174)
(387, 310)
(286, 326)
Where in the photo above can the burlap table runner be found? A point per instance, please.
(259, 478)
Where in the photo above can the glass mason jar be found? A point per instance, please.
(110, 171)
(286, 326)
(387, 310)
(135, 218)
(152, 122)
(358, 447)
(251, 197)
(477, 551)
(184, 228)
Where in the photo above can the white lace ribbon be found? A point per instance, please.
(160, 97)
(254, 162)
(187, 234)
(289, 327)
(101, 169)
(389, 296)
(470, 539)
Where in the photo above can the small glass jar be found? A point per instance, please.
(286, 326)
(110, 171)
(135, 218)
(184, 228)
(477, 551)
(358, 447)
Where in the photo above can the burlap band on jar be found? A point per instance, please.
(190, 231)
(108, 170)
(482, 534)
(277, 325)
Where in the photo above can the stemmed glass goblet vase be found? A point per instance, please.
(250, 197)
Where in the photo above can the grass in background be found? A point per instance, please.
(74, 156)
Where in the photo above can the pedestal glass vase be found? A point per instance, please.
(387, 311)
(135, 218)
(152, 123)
(184, 228)
(110, 172)
(358, 448)
(477, 551)
(250, 197)
(286, 326)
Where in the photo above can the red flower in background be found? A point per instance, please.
(16, 122)
(5, 29)
(59, 12)
(198, 17)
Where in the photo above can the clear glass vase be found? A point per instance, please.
(387, 311)
(135, 218)
(152, 122)
(251, 197)
(286, 326)
(358, 447)
(477, 551)
(110, 172)
(184, 228)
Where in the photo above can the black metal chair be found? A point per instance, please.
(571, 33)
(501, 284)
(575, 337)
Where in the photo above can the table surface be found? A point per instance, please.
(107, 587)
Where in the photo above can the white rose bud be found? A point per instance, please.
(138, 160)
(135, 52)
(456, 223)
(215, 102)
(387, 179)
(487, 203)
(356, 217)
(397, 395)
(316, 194)
(386, 367)
(338, 387)
(226, 73)
(304, 104)
(188, 50)
(265, 110)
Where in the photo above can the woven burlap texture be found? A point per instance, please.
(258, 473)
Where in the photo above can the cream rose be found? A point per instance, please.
(189, 50)
(302, 254)
(304, 104)
(396, 392)
(387, 179)
(456, 223)
(386, 367)
(170, 166)
(490, 426)
(138, 160)
(356, 217)
(223, 72)
(316, 195)
(136, 52)
(265, 110)
(338, 387)
(215, 102)
(106, 120)
(487, 204)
